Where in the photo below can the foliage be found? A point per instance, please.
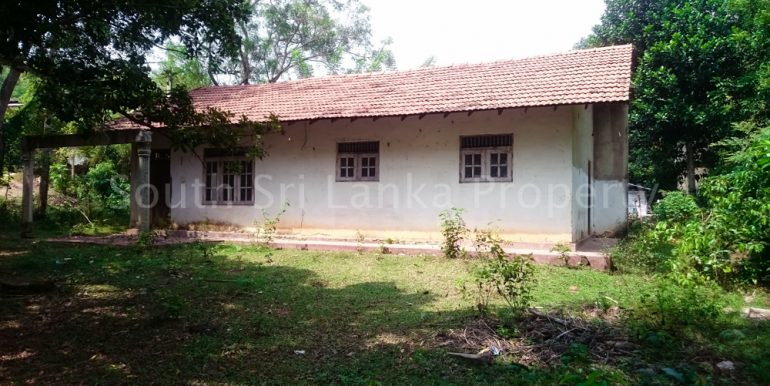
(676, 206)
(732, 241)
(701, 65)
(563, 250)
(293, 38)
(673, 308)
(90, 61)
(100, 192)
(179, 69)
(454, 231)
(647, 249)
(90, 57)
(726, 240)
(269, 223)
(146, 239)
(510, 278)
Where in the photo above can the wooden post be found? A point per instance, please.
(143, 144)
(28, 164)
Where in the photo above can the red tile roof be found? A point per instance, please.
(576, 77)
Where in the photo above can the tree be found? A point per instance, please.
(90, 56)
(179, 69)
(293, 38)
(627, 21)
(691, 69)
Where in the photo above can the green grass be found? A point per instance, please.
(236, 314)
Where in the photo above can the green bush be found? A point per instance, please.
(510, 278)
(101, 193)
(676, 207)
(724, 241)
(673, 308)
(454, 230)
(647, 249)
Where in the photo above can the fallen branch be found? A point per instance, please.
(484, 357)
(563, 322)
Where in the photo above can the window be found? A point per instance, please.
(229, 177)
(358, 161)
(486, 158)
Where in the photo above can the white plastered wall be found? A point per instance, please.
(419, 176)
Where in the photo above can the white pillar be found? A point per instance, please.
(134, 182)
(141, 192)
(28, 164)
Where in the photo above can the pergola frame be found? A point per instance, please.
(141, 144)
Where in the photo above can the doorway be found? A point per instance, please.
(160, 178)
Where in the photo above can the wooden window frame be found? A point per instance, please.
(357, 164)
(237, 178)
(486, 162)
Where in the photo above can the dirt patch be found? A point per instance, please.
(541, 339)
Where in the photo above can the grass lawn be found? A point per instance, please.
(244, 315)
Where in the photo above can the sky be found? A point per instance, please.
(473, 31)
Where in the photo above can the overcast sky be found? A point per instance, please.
(472, 31)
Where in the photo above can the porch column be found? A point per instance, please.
(133, 178)
(28, 164)
(141, 192)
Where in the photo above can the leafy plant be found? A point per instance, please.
(82, 229)
(145, 239)
(727, 239)
(360, 239)
(510, 278)
(270, 223)
(383, 249)
(676, 206)
(672, 308)
(563, 250)
(454, 231)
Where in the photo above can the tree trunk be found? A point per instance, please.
(690, 157)
(45, 178)
(245, 63)
(210, 67)
(5, 98)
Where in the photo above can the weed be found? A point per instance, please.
(145, 239)
(360, 238)
(454, 231)
(270, 223)
(563, 250)
(511, 279)
(674, 308)
(82, 229)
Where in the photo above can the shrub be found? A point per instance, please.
(725, 241)
(647, 249)
(146, 239)
(674, 308)
(270, 223)
(101, 192)
(563, 250)
(453, 229)
(677, 207)
(511, 279)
